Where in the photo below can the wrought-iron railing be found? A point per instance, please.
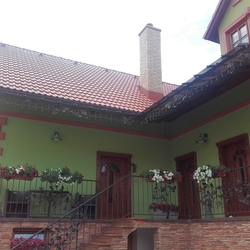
(133, 196)
(76, 229)
(37, 199)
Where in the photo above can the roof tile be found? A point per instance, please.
(29, 71)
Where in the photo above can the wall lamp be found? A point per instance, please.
(134, 167)
(202, 138)
(56, 137)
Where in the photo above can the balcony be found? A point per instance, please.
(86, 215)
(223, 197)
(36, 199)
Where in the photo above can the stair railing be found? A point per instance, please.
(88, 220)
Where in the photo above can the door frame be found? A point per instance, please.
(178, 160)
(100, 154)
(223, 158)
(127, 158)
(222, 145)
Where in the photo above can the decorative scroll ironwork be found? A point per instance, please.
(219, 71)
(76, 229)
(74, 110)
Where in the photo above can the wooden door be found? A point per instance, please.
(188, 190)
(234, 154)
(112, 168)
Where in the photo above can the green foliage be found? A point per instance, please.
(55, 176)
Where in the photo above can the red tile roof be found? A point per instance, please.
(37, 73)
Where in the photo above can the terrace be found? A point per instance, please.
(74, 207)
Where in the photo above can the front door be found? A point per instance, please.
(112, 169)
(234, 154)
(189, 199)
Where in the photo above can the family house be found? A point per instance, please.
(110, 126)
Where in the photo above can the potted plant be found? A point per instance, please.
(170, 211)
(206, 173)
(56, 176)
(161, 208)
(161, 175)
(21, 172)
(210, 194)
(32, 244)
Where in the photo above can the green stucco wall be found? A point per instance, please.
(30, 141)
(225, 127)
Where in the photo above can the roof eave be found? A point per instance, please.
(175, 100)
(211, 33)
(65, 102)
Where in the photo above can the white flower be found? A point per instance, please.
(203, 174)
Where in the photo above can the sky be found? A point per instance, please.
(105, 32)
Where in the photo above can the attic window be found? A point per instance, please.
(239, 36)
(237, 32)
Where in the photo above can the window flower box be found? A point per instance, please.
(22, 172)
(161, 175)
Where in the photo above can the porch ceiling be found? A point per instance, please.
(224, 74)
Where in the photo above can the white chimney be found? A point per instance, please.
(150, 62)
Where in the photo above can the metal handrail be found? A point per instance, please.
(78, 218)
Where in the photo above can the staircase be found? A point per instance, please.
(115, 238)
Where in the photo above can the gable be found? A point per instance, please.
(225, 15)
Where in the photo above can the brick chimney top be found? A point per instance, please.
(150, 62)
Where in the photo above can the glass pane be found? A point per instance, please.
(111, 166)
(235, 37)
(27, 235)
(111, 181)
(243, 31)
(104, 169)
(245, 39)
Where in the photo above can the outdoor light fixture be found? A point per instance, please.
(56, 137)
(134, 167)
(202, 138)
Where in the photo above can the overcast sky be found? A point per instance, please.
(105, 32)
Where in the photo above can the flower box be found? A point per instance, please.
(22, 172)
(161, 175)
(219, 174)
(22, 177)
(32, 244)
(172, 215)
(159, 215)
(150, 179)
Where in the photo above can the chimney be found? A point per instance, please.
(150, 62)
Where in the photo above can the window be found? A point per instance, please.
(27, 235)
(237, 32)
(239, 36)
(27, 232)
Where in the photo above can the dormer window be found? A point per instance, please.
(240, 36)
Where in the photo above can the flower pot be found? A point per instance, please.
(169, 181)
(219, 174)
(172, 215)
(158, 215)
(22, 177)
(150, 179)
